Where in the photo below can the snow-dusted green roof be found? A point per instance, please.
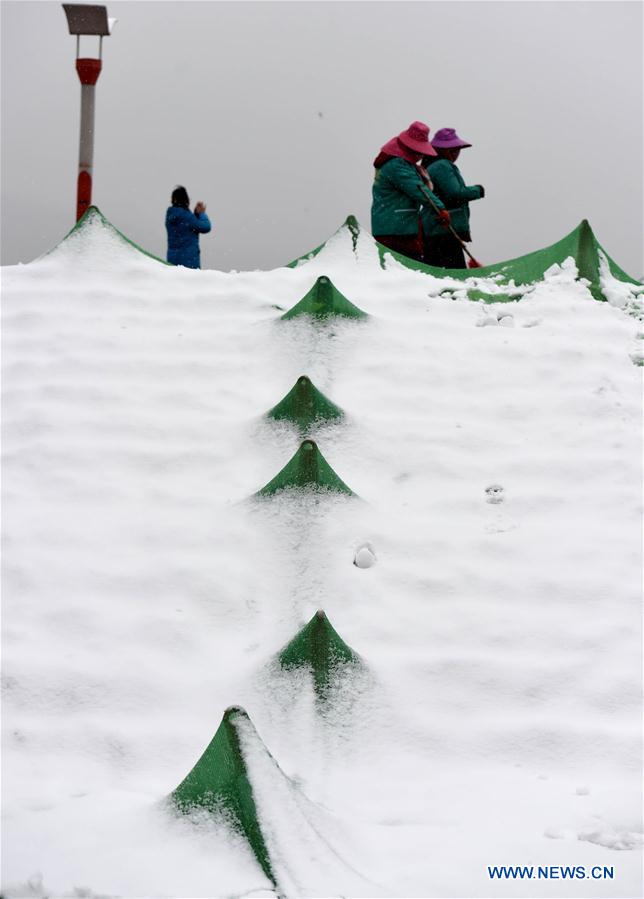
(94, 220)
(581, 244)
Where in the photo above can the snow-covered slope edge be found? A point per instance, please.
(144, 592)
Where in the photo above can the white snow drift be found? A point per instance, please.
(498, 470)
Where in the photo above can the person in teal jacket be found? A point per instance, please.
(184, 228)
(441, 247)
(400, 189)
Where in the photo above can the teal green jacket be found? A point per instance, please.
(450, 187)
(398, 194)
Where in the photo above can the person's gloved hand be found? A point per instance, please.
(444, 218)
(482, 189)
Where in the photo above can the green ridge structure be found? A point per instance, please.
(581, 244)
(350, 225)
(304, 404)
(319, 647)
(92, 215)
(324, 300)
(308, 468)
(220, 781)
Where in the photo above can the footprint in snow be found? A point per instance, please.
(487, 321)
(494, 494)
(613, 838)
(364, 557)
(500, 526)
(505, 319)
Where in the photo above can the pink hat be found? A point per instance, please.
(416, 138)
(447, 138)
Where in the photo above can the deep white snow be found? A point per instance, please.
(496, 453)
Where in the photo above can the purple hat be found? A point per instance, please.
(447, 138)
(416, 138)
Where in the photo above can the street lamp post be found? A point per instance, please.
(83, 19)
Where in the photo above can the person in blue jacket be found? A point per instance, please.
(184, 228)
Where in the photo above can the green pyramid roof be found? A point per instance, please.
(220, 782)
(351, 226)
(308, 468)
(319, 647)
(304, 404)
(323, 300)
(581, 244)
(93, 216)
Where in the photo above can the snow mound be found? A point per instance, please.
(351, 244)
(145, 590)
(96, 245)
(613, 839)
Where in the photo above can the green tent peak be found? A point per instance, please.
(93, 215)
(304, 404)
(353, 225)
(319, 647)
(307, 469)
(324, 300)
(587, 257)
(350, 224)
(580, 243)
(235, 711)
(220, 782)
(90, 213)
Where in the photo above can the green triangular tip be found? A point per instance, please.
(220, 782)
(307, 469)
(353, 225)
(319, 647)
(92, 215)
(304, 404)
(587, 258)
(210, 781)
(324, 300)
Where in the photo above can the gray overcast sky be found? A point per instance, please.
(272, 113)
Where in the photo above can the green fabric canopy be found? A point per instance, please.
(220, 782)
(581, 244)
(306, 469)
(92, 217)
(304, 405)
(324, 300)
(320, 648)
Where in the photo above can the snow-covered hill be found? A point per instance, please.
(495, 451)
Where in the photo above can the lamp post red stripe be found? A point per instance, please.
(88, 72)
(87, 19)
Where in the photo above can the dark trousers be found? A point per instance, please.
(444, 251)
(409, 245)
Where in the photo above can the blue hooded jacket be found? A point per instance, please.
(184, 228)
